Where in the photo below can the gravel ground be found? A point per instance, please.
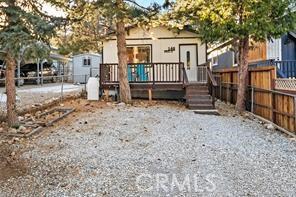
(155, 151)
(28, 95)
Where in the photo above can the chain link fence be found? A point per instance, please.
(33, 92)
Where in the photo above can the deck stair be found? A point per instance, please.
(199, 99)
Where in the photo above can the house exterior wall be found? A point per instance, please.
(80, 71)
(160, 39)
(288, 48)
(274, 50)
(226, 60)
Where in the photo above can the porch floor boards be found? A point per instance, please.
(147, 86)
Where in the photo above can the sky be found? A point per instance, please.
(148, 2)
(53, 11)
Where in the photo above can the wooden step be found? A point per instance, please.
(207, 112)
(194, 96)
(199, 101)
(201, 106)
(190, 84)
(198, 97)
(197, 88)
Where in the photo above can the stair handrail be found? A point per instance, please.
(212, 78)
(212, 83)
(185, 77)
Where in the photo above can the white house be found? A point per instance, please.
(85, 65)
(159, 45)
(162, 64)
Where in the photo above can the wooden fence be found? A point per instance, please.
(262, 99)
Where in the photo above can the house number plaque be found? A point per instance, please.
(170, 50)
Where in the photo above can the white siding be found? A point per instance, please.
(160, 38)
(274, 50)
(80, 71)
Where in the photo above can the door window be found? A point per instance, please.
(188, 61)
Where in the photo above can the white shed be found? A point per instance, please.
(86, 65)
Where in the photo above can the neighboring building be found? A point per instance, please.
(282, 49)
(85, 65)
(280, 52)
(159, 45)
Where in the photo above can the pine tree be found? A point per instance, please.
(21, 24)
(114, 15)
(239, 20)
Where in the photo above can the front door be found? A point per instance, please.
(188, 55)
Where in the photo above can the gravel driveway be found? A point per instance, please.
(162, 150)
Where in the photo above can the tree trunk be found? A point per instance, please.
(10, 91)
(124, 88)
(243, 74)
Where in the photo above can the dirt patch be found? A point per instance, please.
(11, 165)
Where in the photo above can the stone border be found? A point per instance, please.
(39, 128)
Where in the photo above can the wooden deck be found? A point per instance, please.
(163, 81)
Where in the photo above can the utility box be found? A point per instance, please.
(92, 88)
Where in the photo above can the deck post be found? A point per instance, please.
(153, 73)
(150, 94)
(252, 99)
(107, 94)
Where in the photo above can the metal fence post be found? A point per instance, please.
(38, 71)
(252, 99)
(220, 87)
(295, 113)
(85, 79)
(42, 73)
(227, 89)
(18, 72)
(62, 88)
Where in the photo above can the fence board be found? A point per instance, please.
(278, 107)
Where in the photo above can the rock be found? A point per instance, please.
(12, 130)
(269, 126)
(62, 105)
(26, 131)
(121, 104)
(22, 128)
(16, 139)
(38, 113)
(12, 154)
(10, 142)
(1, 129)
(20, 118)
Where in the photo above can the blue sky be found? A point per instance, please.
(56, 12)
(148, 2)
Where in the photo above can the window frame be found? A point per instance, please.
(86, 61)
(143, 45)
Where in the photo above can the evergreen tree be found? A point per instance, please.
(21, 24)
(109, 15)
(239, 20)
